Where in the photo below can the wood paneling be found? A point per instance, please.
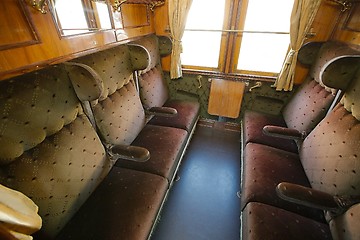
(16, 29)
(54, 49)
(135, 15)
(225, 98)
(347, 30)
(161, 24)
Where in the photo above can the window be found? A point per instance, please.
(248, 36)
(83, 16)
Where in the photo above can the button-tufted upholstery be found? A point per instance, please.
(120, 116)
(124, 206)
(264, 168)
(134, 190)
(261, 221)
(154, 91)
(49, 150)
(328, 161)
(311, 101)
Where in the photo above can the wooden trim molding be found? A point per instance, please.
(352, 21)
(23, 23)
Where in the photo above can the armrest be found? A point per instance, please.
(336, 205)
(306, 196)
(132, 153)
(162, 111)
(282, 132)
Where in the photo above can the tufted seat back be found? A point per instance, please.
(154, 91)
(118, 112)
(312, 101)
(48, 148)
(330, 156)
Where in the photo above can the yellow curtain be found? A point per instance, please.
(178, 11)
(18, 215)
(302, 16)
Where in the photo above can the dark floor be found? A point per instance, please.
(203, 204)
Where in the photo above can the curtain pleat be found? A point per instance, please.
(178, 11)
(302, 16)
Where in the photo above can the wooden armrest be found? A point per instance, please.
(306, 196)
(162, 111)
(295, 193)
(132, 153)
(283, 132)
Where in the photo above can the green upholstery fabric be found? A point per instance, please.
(57, 159)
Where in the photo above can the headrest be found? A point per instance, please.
(165, 45)
(139, 57)
(339, 72)
(151, 44)
(113, 66)
(308, 52)
(34, 105)
(87, 83)
(329, 52)
(351, 99)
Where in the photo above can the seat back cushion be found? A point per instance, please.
(154, 91)
(51, 152)
(311, 101)
(331, 153)
(346, 226)
(331, 158)
(118, 113)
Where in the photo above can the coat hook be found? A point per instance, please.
(199, 77)
(257, 85)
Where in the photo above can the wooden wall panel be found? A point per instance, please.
(349, 26)
(161, 24)
(135, 15)
(52, 48)
(15, 31)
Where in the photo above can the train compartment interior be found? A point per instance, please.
(109, 130)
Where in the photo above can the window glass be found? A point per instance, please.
(72, 19)
(259, 48)
(265, 52)
(103, 13)
(262, 52)
(202, 48)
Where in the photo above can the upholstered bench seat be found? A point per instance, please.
(264, 168)
(254, 122)
(124, 206)
(165, 145)
(153, 87)
(188, 113)
(312, 100)
(261, 221)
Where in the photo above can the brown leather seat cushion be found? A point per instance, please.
(264, 168)
(165, 145)
(261, 221)
(124, 206)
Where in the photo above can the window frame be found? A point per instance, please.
(231, 39)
